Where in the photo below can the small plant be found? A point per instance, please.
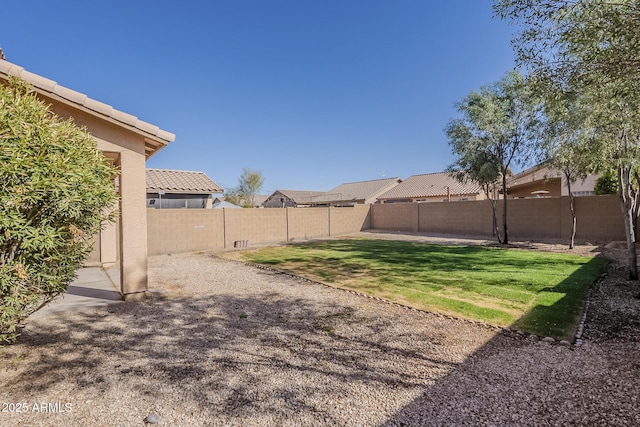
(327, 328)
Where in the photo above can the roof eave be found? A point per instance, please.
(172, 191)
(155, 138)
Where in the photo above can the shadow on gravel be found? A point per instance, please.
(520, 381)
(270, 359)
(230, 356)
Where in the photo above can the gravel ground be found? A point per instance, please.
(227, 344)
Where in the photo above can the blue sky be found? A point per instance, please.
(311, 93)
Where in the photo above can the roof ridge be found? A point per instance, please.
(432, 173)
(173, 170)
(49, 86)
(372, 180)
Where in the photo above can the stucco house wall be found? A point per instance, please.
(127, 142)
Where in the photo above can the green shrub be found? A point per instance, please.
(606, 184)
(56, 190)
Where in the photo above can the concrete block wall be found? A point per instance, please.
(534, 218)
(463, 217)
(257, 226)
(395, 217)
(184, 230)
(307, 223)
(349, 219)
(187, 230)
(599, 218)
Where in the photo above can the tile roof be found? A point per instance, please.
(184, 182)
(430, 185)
(259, 199)
(155, 138)
(301, 196)
(357, 191)
(536, 173)
(223, 204)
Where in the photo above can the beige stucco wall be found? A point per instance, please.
(128, 149)
(553, 186)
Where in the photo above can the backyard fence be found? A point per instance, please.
(187, 230)
(599, 218)
(184, 230)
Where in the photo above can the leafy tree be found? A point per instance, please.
(567, 145)
(591, 48)
(231, 195)
(497, 130)
(606, 184)
(575, 39)
(249, 184)
(55, 187)
(476, 167)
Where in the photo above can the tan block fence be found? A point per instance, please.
(186, 230)
(599, 218)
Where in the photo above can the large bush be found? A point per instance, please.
(606, 184)
(56, 189)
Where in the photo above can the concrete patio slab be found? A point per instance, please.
(92, 288)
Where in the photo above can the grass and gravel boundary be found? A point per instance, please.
(230, 344)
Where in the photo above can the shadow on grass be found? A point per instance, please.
(558, 309)
(270, 359)
(521, 381)
(483, 283)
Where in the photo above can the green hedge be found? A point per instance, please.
(56, 191)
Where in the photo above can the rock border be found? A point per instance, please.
(578, 341)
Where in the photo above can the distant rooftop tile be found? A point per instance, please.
(176, 181)
(431, 185)
(362, 191)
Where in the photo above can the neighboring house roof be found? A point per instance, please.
(363, 191)
(155, 138)
(438, 184)
(223, 204)
(259, 199)
(537, 173)
(183, 182)
(299, 196)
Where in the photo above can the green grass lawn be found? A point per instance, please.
(541, 293)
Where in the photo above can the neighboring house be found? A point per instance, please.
(125, 141)
(222, 204)
(432, 187)
(349, 194)
(291, 199)
(544, 181)
(171, 189)
(245, 202)
(259, 199)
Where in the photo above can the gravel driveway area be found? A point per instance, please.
(226, 344)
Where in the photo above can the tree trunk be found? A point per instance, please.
(505, 240)
(572, 208)
(636, 205)
(491, 198)
(627, 202)
(496, 230)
